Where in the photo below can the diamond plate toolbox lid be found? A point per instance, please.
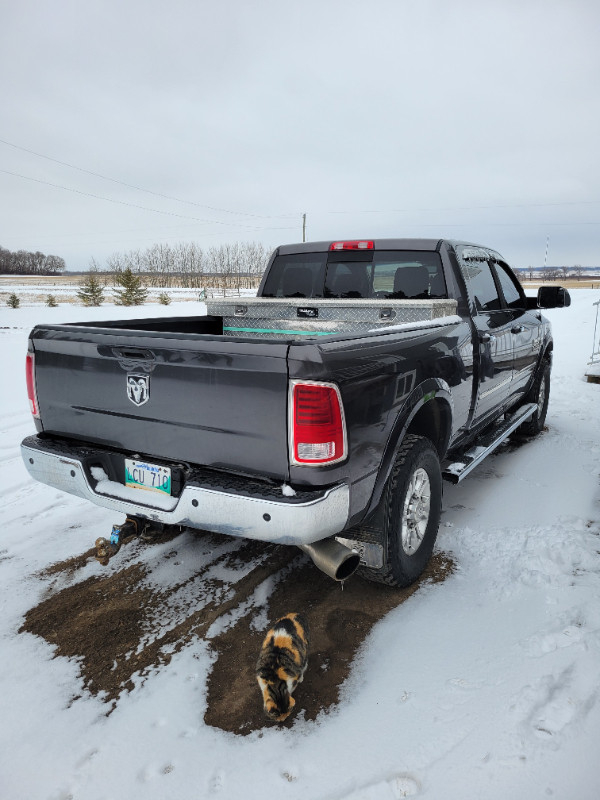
(288, 317)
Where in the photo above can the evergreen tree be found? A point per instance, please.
(164, 299)
(51, 301)
(13, 301)
(132, 292)
(90, 291)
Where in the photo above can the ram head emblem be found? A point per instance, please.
(138, 389)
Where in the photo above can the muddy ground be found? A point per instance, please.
(129, 618)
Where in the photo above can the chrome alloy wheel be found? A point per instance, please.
(415, 516)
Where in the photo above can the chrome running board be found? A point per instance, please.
(455, 471)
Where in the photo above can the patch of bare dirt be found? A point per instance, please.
(339, 620)
(119, 625)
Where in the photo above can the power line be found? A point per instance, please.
(139, 188)
(135, 205)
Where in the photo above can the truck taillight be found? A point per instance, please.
(317, 425)
(360, 244)
(31, 393)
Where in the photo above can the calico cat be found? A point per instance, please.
(282, 663)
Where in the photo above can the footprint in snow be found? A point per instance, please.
(555, 702)
(542, 644)
(397, 787)
(461, 683)
(217, 782)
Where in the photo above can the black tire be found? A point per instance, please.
(540, 395)
(412, 504)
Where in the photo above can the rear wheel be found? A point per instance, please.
(540, 395)
(412, 503)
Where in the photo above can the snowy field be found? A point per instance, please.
(32, 293)
(486, 685)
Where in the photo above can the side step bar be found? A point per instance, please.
(455, 471)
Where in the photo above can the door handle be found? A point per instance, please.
(518, 329)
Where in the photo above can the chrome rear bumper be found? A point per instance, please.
(289, 521)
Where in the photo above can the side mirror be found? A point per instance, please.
(553, 297)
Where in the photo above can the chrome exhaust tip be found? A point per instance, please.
(333, 558)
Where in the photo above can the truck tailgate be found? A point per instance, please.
(193, 398)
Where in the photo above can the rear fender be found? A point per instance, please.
(428, 411)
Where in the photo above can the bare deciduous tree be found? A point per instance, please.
(577, 271)
(550, 273)
(564, 272)
(228, 267)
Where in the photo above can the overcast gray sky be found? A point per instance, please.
(226, 120)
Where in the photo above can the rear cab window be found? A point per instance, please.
(378, 274)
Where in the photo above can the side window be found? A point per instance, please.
(481, 285)
(512, 292)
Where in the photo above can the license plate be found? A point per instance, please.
(152, 477)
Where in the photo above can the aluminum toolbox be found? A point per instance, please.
(276, 317)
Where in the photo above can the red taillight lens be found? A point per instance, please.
(359, 244)
(31, 393)
(317, 430)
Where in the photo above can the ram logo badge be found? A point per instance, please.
(138, 389)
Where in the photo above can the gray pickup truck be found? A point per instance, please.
(322, 413)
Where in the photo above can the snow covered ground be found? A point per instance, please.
(483, 686)
(32, 293)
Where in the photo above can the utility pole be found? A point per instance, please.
(546, 256)
(303, 227)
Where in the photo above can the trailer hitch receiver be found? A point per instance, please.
(120, 535)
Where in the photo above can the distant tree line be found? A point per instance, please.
(229, 266)
(552, 273)
(23, 262)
